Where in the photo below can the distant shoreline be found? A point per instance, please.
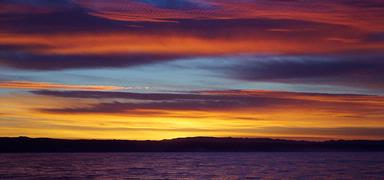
(192, 144)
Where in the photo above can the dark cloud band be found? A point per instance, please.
(216, 101)
(357, 70)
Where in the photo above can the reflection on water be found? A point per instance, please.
(193, 166)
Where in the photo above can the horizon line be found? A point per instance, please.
(306, 139)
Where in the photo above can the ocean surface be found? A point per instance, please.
(193, 166)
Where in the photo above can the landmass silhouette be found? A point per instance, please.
(191, 144)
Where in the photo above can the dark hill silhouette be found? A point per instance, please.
(193, 144)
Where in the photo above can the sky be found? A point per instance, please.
(161, 69)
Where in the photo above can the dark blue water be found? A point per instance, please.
(193, 166)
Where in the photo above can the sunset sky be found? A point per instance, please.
(159, 69)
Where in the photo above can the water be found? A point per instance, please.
(192, 166)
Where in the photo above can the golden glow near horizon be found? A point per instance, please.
(267, 113)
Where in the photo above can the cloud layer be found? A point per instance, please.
(219, 101)
(44, 35)
(46, 85)
(354, 70)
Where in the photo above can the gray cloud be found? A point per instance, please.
(355, 70)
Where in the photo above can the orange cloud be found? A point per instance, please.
(332, 12)
(175, 43)
(46, 85)
(123, 33)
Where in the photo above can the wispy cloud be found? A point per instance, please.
(354, 69)
(46, 85)
(257, 101)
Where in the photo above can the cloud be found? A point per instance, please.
(159, 101)
(46, 85)
(26, 48)
(219, 101)
(355, 70)
(33, 61)
(364, 4)
(42, 35)
(35, 6)
(375, 37)
(72, 20)
(329, 11)
(37, 3)
(177, 4)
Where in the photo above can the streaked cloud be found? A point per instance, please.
(46, 85)
(333, 12)
(87, 34)
(354, 69)
(256, 101)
